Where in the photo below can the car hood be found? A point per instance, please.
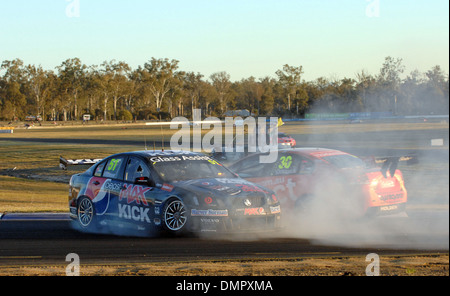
(222, 187)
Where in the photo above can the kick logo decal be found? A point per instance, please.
(134, 194)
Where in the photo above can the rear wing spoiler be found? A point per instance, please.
(390, 163)
(64, 163)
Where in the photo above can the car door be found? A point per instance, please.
(288, 176)
(109, 177)
(133, 205)
(283, 178)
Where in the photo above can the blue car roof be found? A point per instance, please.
(151, 153)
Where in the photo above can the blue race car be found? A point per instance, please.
(149, 192)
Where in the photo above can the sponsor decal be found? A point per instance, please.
(209, 220)
(394, 196)
(285, 191)
(388, 208)
(272, 181)
(102, 193)
(209, 224)
(134, 193)
(165, 158)
(112, 186)
(254, 211)
(387, 183)
(208, 200)
(210, 212)
(196, 157)
(134, 213)
(275, 210)
(167, 187)
(92, 189)
(178, 158)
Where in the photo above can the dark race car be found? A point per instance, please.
(328, 179)
(148, 192)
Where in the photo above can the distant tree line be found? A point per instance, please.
(158, 89)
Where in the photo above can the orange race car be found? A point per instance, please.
(286, 141)
(330, 178)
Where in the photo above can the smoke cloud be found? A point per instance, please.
(332, 219)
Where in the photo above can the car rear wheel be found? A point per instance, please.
(175, 216)
(85, 213)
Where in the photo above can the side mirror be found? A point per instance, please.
(145, 181)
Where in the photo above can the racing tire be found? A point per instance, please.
(86, 214)
(175, 217)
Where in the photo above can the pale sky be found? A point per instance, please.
(245, 38)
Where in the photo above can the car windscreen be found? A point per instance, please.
(344, 161)
(172, 169)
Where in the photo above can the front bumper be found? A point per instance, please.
(386, 209)
(239, 220)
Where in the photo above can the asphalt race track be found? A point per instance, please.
(48, 241)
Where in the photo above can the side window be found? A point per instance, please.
(136, 168)
(289, 164)
(113, 168)
(252, 168)
(99, 169)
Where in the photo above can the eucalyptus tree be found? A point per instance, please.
(437, 90)
(249, 93)
(12, 92)
(71, 74)
(115, 81)
(266, 104)
(366, 86)
(222, 85)
(389, 81)
(192, 86)
(290, 78)
(159, 75)
(131, 94)
(41, 84)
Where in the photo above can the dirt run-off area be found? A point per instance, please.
(392, 265)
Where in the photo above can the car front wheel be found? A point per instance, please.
(175, 216)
